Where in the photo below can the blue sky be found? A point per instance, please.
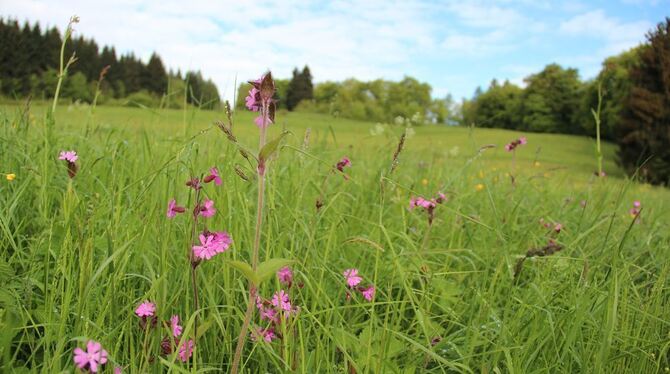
(454, 46)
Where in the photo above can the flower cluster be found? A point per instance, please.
(353, 280)
(344, 162)
(260, 100)
(509, 147)
(274, 311)
(71, 158)
(147, 312)
(91, 358)
(428, 205)
(557, 227)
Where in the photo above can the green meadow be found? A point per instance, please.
(79, 255)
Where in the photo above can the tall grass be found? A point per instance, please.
(79, 254)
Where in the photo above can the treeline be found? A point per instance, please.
(555, 100)
(378, 100)
(30, 59)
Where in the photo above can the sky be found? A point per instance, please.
(455, 46)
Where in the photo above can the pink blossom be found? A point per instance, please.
(208, 247)
(146, 309)
(635, 210)
(118, 370)
(269, 314)
(186, 350)
(173, 209)
(352, 277)
(636, 204)
(344, 162)
(285, 275)
(440, 198)
(421, 202)
(69, 156)
(174, 325)
(207, 209)
(213, 176)
(558, 227)
(266, 334)
(368, 293)
(280, 299)
(522, 140)
(509, 147)
(253, 99)
(222, 240)
(91, 358)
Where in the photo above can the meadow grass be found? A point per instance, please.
(78, 255)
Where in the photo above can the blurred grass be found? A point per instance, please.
(79, 255)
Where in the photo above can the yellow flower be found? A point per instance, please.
(479, 187)
(537, 164)
(481, 174)
(10, 177)
(424, 181)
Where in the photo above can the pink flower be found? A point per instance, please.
(558, 227)
(186, 350)
(635, 210)
(207, 249)
(146, 309)
(69, 156)
(173, 209)
(368, 293)
(91, 358)
(207, 209)
(118, 370)
(280, 299)
(174, 325)
(352, 277)
(421, 202)
(522, 140)
(509, 147)
(213, 176)
(636, 204)
(269, 314)
(266, 334)
(344, 162)
(253, 99)
(285, 275)
(222, 241)
(440, 198)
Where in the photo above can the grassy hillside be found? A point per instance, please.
(79, 255)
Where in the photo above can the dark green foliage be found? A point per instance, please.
(30, 59)
(497, 107)
(299, 88)
(644, 133)
(201, 92)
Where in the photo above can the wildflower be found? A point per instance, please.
(479, 187)
(186, 350)
(207, 249)
(194, 183)
(536, 164)
(344, 162)
(635, 210)
(440, 198)
(69, 156)
(213, 176)
(260, 99)
(223, 240)
(582, 203)
(421, 202)
(269, 314)
(174, 325)
(118, 370)
(146, 309)
(280, 299)
(266, 334)
(509, 147)
(352, 277)
(424, 181)
(89, 359)
(10, 177)
(173, 209)
(285, 275)
(207, 209)
(558, 227)
(368, 293)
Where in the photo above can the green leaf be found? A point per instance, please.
(271, 147)
(268, 268)
(246, 270)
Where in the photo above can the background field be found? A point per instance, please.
(79, 255)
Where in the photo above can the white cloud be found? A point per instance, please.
(596, 24)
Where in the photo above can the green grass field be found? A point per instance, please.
(79, 255)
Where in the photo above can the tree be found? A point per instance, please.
(644, 132)
(614, 83)
(550, 101)
(155, 78)
(299, 88)
(497, 107)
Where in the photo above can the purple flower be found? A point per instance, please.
(173, 209)
(146, 309)
(280, 300)
(186, 350)
(285, 275)
(69, 156)
(352, 277)
(207, 248)
(344, 162)
(213, 176)
(174, 326)
(207, 209)
(368, 293)
(89, 359)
